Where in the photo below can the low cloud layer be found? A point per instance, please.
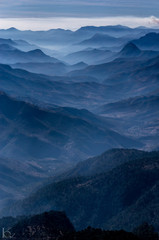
(75, 23)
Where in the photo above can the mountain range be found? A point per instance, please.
(10, 55)
(78, 92)
(56, 133)
(89, 56)
(79, 129)
(102, 40)
(42, 142)
(139, 116)
(49, 68)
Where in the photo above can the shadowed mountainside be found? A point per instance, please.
(100, 200)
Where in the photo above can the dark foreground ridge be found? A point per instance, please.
(55, 225)
(48, 225)
(121, 197)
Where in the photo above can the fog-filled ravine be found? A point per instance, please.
(79, 123)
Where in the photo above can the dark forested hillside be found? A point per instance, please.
(101, 200)
(48, 225)
(45, 226)
(105, 162)
(98, 234)
(55, 225)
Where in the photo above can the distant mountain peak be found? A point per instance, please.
(130, 49)
(80, 64)
(37, 51)
(91, 28)
(12, 29)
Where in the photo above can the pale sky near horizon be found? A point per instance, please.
(72, 14)
(75, 23)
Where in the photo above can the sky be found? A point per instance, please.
(45, 14)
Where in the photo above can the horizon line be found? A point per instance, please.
(46, 30)
(75, 23)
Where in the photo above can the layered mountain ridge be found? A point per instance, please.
(79, 126)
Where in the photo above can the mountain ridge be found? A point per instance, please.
(116, 191)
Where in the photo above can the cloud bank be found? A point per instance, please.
(75, 23)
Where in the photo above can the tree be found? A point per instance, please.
(146, 232)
